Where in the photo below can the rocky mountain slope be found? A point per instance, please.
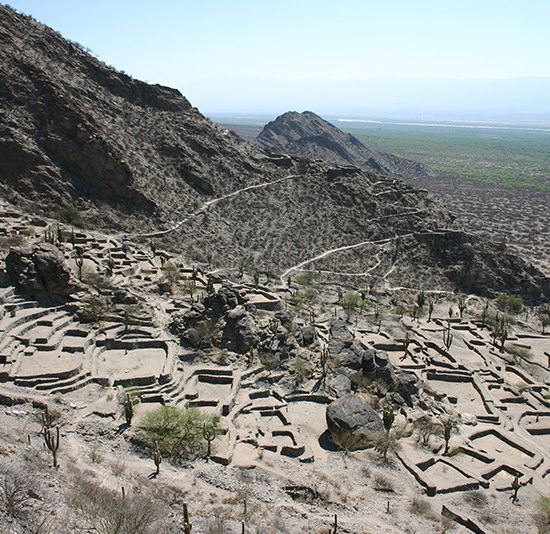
(307, 134)
(78, 136)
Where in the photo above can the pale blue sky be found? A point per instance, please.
(192, 44)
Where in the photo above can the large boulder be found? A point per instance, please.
(352, 422)
(340, 337)
(40, 268)
(345, 350)
(240, 332)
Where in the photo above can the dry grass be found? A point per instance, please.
(381, 482)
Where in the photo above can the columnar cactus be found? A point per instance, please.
(209, 434)
(157, 458)
(187, 526)
(128, 409)
(388, 418)
(447, 336)
(52, 442)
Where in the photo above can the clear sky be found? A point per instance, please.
(190, 44)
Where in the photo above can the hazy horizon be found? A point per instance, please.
(358, 57)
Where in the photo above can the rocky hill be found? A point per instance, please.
(92, 145)
(307, 134)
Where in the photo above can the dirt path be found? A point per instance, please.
(209, 203)
(326, 253)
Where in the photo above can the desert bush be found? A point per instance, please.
(510, 303)
(518, 353)
(381, 482)
(477, 499)
(305, 279)
(216, 525)
(387, 441)
(118, 467)
(352, 301)
(420, 506)
(11, 241)
(97, 281)
(203, 334)
(300, 368)
(542, 515)
(94, 309)
(16, 490)
(306, 296)
(105, 511)
(177, 432)
(425, 428)
(269, 361)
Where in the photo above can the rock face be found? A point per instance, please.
(351, 421)
(307, 134)
(240, 332)
(344, 349)
(40, 268)
(376, 364)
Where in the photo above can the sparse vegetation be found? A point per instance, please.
(105, 511)
(510, 303)
(542, 515)
(174, 432)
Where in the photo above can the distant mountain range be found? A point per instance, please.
(515, 99)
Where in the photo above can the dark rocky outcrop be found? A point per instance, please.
(345, 351)
(40, 269)
(351, 422)
(307, 134)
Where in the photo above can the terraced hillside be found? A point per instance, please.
(136, 324)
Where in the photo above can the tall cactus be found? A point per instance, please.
(516, 485)
(47, 418)
(128, 409)
(187, 526)
(447, 336)
(52, 442)
(209, 434)
(79, 260)
(157, 458)
(388, 418)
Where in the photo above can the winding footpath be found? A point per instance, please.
(209, 203)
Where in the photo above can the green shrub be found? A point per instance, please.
(352, 301)
(177, 432)
(307, 296)
(511, 303)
